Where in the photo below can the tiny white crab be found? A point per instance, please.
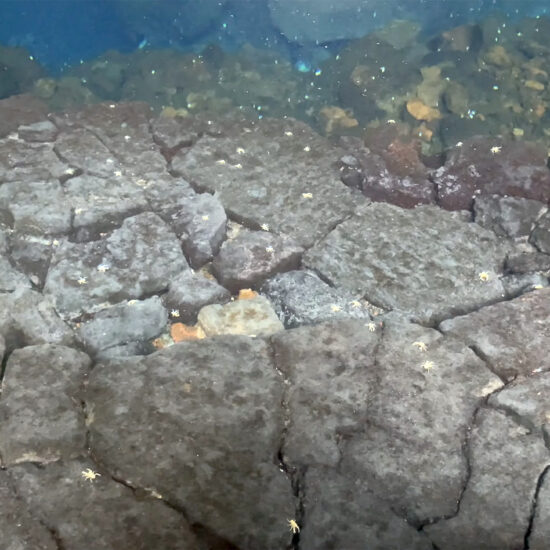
(307, 195)
(205, 218)
(82, 281)
(420, 345)
(293, 525)
(89, 474)
(264, 227)
(175, 313)
(269, 249)
(496, 149)
(484, 276)
(355, 304)
(428, 365)
(335, 307)
(103, 267)
(371, 326)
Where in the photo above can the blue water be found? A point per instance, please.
(59, 33)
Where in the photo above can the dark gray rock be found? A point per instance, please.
(528, 260)
(252, 256)
(301, 298)
(516, 284)
(84, 151)
(512, 336)
(200, 223)
(368, 404)
(422, 261)
(31, 254)
(117, 131)
(189, 292)
(28, 318)
(21, 161)
(137, 321)
(507, 216)
(136, 260)
(506, 460)
(100, 204)
(98, 515)
(540, 532)
(43, 131)
(341, 512)
(526, 399)
(540, 236)
(172, 134)
(208, 414)
(10, 277)
(41, 418)
(18, 528)
(35, 207)
(330, 370)
(260, 171)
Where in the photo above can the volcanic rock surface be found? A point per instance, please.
(381, 379)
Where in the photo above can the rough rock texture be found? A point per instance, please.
(301, 298)
(510, 336)
(263, 181)
(76, 512)
(189, 292)
(41, 419)
(433, 272)
(123, 323)
(208, 414)
(506, 460)
(373, 423)
(252, 257)
(387, 172)
(517, 169)
(252, 317)
(137, 259)
(507, 216)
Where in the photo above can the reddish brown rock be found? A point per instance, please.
(484, 166)
(388, 169)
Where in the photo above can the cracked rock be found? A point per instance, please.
(506, 460)
(100, 514)
(511, 336)
(260, 172)
(423, 261)
(189, 292)
(27, 318)
(41, 419)
(301, 298)
(341, 512)
(18, 528)
(253, 256)
(207, 413)
(123, 324)
(139, 258)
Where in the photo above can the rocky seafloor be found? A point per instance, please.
(383, 384)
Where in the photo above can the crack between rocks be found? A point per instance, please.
(295, 475)
(202, 532)
(467, 453)
(54, 534)
(534, 507)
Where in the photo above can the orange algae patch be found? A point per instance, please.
(247, 294)
(182, 333)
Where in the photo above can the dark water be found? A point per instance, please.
(340, 66)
